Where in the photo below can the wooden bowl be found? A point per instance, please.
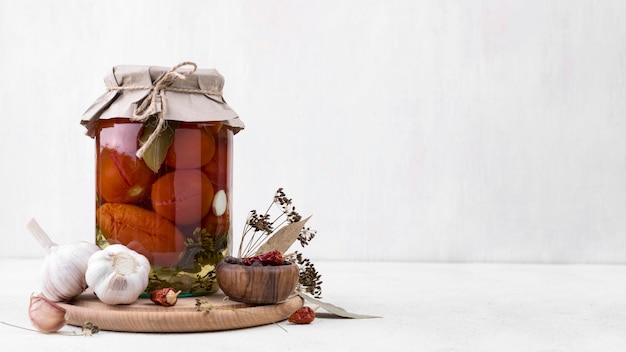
(257, 284)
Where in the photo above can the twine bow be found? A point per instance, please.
(149, 105)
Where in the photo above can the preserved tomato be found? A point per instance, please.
(183, 196)
(141, 230)
(191, 149)
(120, 175)
(219, 168)
(217, 225)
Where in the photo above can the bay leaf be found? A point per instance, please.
(283, 238)
(331, 308)
(155, 153)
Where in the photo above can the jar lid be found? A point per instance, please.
(182, 93)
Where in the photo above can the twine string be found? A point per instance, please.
(149, 105)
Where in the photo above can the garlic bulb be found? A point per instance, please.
(117, 274)
(45, 315)
(62, 274)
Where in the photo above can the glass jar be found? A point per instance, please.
(172, 201)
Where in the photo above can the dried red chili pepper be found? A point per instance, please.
(304, 315)
(165, 297)
(274, 257)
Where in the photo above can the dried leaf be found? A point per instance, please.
(156, 152)
(283, 238)
(334, 309)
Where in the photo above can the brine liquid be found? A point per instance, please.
(176, 212)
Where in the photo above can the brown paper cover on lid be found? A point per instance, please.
(183, 93)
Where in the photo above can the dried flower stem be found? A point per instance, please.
(260, 226)
(88, 329)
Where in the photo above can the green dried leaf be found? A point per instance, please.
(157, 150)
(330, 308)
(283, 238)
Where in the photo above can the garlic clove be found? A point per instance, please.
(165, 297)
(219, 203)
(45, 315)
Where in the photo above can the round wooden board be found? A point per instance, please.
(145, 316)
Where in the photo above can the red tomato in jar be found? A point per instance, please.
(193, 146)
(121, 177)
(219, 168)
(141, 230)
(217, 226)
(182, 196)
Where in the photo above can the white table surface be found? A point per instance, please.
(425, 307)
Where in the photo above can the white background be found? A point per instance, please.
(411, 130)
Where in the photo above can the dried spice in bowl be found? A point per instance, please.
(262, 273)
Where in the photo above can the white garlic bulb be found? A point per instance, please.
(62, 274)
(117, 274)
